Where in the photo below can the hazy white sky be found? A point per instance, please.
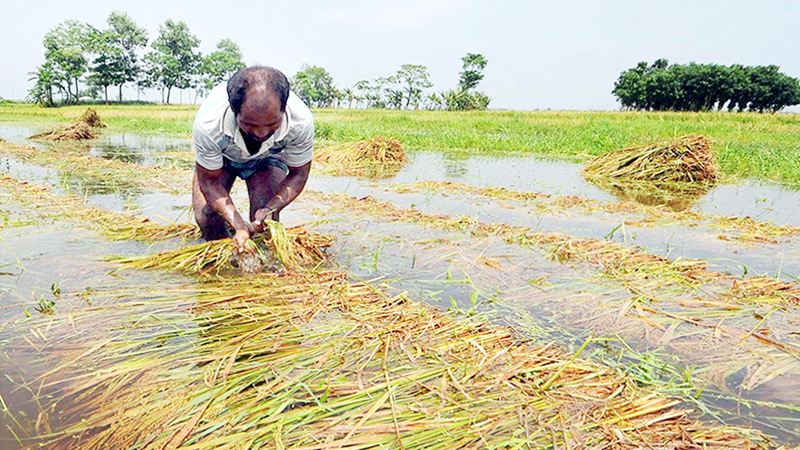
(542, 54)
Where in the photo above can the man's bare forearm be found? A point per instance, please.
(218, 198)
(290, 188)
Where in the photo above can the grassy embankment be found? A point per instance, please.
(762, 146)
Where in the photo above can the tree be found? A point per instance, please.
(465, 97)
(315, 86)
(108, 67)
(46, 78)
(704, 87)
(460, 100)
(413, 79)
(221, 64)
(66, 48)
(361, 91)
(174, 60)
(349, 94)
(473, 65)
(125, 36)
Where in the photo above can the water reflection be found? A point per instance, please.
(138, 149)
(676, 197)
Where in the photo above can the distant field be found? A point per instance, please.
(749, 145)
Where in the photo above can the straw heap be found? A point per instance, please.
(82, 129)
(77, 131)
(688, 159)
(92, 118)
(374, 158)
(377, 149)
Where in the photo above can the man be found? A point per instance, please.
(256, 130)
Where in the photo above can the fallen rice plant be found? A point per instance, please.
(77, 131)
(616, 259)
(742, 228)
(91, 118)
(75, 161)
(177, 180)
(294, 248)
(594, 253)
(752, 230)
(119, 226)
(312, 361)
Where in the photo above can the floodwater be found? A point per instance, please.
(540, 297)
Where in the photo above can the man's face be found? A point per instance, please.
(258, 120)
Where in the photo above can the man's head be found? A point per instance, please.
(258, 98)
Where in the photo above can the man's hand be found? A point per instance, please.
(262, 214)
(241, 237)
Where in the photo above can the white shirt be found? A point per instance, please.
(216, 134)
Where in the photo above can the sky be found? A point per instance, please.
(542, 54)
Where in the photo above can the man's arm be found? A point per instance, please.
(211, 185)
(289, 189)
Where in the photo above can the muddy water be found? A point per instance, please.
(445, 269)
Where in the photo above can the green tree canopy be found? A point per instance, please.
(704, 87)
(108, 67)
(175, 60)
(45, 78)
(221, 64)
(67, 49)
(473, 65)
(315, 86)
(464, 97)
(412, 80)
(126, 38)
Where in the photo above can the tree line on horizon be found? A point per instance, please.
(403, 90)
(76, 52)
(705, 87)
(111, 57)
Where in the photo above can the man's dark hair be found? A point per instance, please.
(242, 81)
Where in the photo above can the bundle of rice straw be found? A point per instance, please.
(687, 159)
(77, 131)
(378, 149)
(82, 129)
(92, 118)
(292, 249)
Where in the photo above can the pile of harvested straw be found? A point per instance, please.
(378, 157)
(92, 118)
(77, 131)
(82, 129)
(688, 159)
(378, 149)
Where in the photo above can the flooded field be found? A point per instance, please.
(698, 304)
